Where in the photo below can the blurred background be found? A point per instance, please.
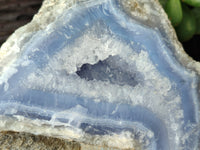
(16, 13)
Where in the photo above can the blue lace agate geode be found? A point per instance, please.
(100, 73)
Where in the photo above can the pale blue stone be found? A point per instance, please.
(100, 114)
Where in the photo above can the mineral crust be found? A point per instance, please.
(107, 73)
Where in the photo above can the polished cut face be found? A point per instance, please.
(98, 76)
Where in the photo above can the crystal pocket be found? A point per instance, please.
(104, 77)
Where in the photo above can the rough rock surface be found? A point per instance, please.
(10, 140)
(105, 92)
(25, 141)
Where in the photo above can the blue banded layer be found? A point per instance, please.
(171, 115)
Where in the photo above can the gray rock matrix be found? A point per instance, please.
(10, 140)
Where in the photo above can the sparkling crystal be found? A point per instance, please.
(101, 73)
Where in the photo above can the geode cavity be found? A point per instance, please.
(104, 72)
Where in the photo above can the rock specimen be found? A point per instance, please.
(102, 72)
(24, 141)
(27, 141)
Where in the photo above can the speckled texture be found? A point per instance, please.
(10, 140)
(25, 141)
(168, 73)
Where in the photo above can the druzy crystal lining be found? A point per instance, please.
(101, 74)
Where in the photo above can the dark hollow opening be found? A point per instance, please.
(113, 70)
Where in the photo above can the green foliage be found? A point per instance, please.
(184, 16)
(196, 13)
(174, 10)
(194, 3)
(187, 27)
(163, 2)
